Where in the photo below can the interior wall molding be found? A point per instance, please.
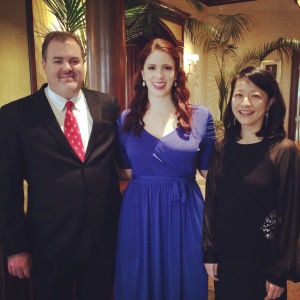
(293, 95)
(222, 2)
(31, 50)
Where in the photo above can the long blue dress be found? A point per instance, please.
(159, 255)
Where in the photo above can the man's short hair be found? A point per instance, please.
(60, 36)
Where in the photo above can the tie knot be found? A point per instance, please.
(69, 104)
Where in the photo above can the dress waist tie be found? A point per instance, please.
(179, 185)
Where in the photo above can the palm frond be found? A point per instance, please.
(70, 14)
(282, 46)
(76, 15)
(222, 50)
(232, 27)
(143, 20)
(222, 29)
(196, 4)
(199, 32)
(132, 13)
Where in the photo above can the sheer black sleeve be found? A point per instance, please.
(286, 256)
(210, 247)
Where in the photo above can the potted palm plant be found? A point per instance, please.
(222, 37)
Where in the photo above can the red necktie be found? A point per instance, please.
(72, 131)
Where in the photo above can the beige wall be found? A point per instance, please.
(14, 75)
(40, 16)
(273, 19)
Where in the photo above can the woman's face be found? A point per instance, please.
(249, 104)
(159, 74)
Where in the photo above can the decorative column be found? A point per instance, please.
(106, 47)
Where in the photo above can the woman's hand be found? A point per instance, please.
(274, 291)
(212, 271)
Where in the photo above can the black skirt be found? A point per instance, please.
(242, 281)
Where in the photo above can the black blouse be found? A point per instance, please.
(250, 187)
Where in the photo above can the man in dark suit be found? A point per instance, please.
(68, 233)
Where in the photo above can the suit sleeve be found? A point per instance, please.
(13, 233)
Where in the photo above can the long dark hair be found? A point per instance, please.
(265, 81)
(180, 94)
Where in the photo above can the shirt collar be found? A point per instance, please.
(60, 102)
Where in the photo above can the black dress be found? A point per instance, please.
(249, 188)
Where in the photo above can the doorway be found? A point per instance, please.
(294, 111)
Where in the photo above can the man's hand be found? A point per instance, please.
(19, 265)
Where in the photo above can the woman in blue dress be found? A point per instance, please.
(164, 140)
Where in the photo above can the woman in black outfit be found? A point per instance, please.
(252, 203)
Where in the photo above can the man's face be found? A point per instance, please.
(64, 68)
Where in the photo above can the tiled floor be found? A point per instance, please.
(211, 295)
(293, 291)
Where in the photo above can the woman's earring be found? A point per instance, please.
(175, 83)
(144, 83)
(267, 118)
(234, 121)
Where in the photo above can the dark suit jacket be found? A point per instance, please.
(71, 205)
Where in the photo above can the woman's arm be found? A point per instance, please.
(123, 174)
(126, 174)
(286, 262)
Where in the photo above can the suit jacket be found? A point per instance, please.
(72, 205)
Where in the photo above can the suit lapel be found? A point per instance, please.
(95, 108)
(43, 111)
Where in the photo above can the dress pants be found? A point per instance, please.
(59, 280)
